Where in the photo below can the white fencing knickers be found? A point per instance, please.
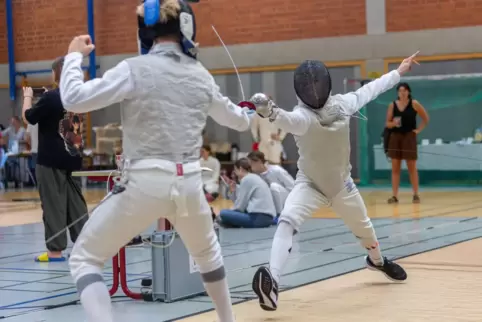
(280, 194)
(304, 200)
(149, 194)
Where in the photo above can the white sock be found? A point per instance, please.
(95, 299)
(375, 255)
(282, 243)
(219, 293)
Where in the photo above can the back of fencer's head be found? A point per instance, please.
(168, 28)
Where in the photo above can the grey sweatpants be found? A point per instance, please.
(62, 204)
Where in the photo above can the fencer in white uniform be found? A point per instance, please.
(165, 98)
(320, 125)
(210, 178)
(279, 180)
(269, 137)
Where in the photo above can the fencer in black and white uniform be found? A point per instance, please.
(320, 124)
(165, 98)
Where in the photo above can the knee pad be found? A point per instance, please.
(85, 281)
(83, 274)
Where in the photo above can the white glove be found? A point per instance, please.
(265, 107)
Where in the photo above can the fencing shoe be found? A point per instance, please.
(266, 289)
(392, 271)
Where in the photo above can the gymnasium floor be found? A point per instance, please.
(324, 280)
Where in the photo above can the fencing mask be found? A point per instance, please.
(312, 82)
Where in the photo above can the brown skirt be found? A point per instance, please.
(402, 146)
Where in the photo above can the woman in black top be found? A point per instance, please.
(402, 145)
(63, 204)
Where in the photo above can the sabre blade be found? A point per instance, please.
(232, 61)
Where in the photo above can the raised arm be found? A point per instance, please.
(228, 114)
(80, 97)
(354, 101)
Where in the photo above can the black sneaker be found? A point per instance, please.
(392, 271)
(266, 289)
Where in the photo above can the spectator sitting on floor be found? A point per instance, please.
(210, 178)
(279, 180)
(253, 205)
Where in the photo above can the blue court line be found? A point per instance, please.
(24, 254)
(41, 271)
(39, 281)
(36, 300)
(43, 306)
(48, 298)
(72, 285)
(14, 290)
(44, 271)
(35, 281)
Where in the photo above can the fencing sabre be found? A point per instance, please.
(78, 219)
(232, 61)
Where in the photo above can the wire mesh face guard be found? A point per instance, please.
(312, 82)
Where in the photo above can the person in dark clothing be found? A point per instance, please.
(60, 193)
(402, 143)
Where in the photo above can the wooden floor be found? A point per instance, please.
(443, 286)
(434, 203)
